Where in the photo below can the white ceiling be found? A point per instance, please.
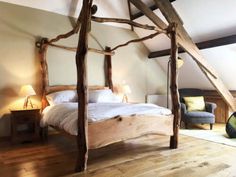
(203, 20)
(106, 8)
(63, 7)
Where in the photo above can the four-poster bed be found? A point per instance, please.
(92, 135)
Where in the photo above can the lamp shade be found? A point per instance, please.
(27, 90)
(180, 62)
(126, 89)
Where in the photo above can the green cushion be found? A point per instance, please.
(195, 103)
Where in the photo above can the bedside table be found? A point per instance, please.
(25, 125)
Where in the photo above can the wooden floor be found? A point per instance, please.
(147, 156)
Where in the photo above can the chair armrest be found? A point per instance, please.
(210, 107)
(183, 108)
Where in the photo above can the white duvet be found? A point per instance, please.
(65, 115)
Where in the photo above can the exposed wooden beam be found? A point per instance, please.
(201, 45)
(183, 38)
(140, 14)
(185, 41)
(189, 46)
(149, 13)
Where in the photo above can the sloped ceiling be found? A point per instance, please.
(106, 8)
(203, 20)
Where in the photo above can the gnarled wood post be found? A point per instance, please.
(108, 69)
(174, 86)
(81, 55)
(43, 47)
(44, 68)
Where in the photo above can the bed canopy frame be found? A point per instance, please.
(175, 31)
(83, 27)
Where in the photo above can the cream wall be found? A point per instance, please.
(21, 27)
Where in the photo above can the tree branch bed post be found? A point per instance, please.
(174, 86)
(81, 59)
(44, 69)
(108, 69)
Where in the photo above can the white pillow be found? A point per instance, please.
(103, 96)
(62, 96)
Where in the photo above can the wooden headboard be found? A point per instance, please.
(47, 89)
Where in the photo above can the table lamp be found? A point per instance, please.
(27, 91)
(125, 90)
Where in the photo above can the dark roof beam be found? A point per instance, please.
(140, 14)
(201, 45)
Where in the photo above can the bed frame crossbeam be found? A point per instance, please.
(83, 26)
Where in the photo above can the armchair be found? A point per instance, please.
(196, 117)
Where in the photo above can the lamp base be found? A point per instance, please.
(125, 99)
(27, 102)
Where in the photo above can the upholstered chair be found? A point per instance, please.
(205, 116)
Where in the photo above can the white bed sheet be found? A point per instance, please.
(65, 115)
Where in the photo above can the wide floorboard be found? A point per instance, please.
(148, 156)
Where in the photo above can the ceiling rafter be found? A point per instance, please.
(201, 45)
(185, 41)
(140, 14)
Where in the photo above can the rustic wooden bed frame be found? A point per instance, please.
(102, 133)
(118, 128)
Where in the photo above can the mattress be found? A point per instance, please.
(65, 115)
